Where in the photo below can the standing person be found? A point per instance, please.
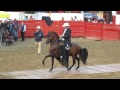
(62, 19)
(11, 28)
(16, 26)
(23, 30)
(67, 42)
(2, 27)
(38, 38)
(1, 33)
(26, 17)
(31, 18)
(75, 18)
(71, 19)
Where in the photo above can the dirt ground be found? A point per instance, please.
(23, 56)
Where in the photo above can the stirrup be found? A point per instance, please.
(61, 57)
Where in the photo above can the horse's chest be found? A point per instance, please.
(54, 50)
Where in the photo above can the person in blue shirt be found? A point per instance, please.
(26, 17)
(38, 38)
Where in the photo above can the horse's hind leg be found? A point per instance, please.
(43, 62)
(52, 64)
(78, 63)
(73, 62)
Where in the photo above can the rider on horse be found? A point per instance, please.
(66, 38)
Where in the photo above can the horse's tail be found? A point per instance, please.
(83, 55)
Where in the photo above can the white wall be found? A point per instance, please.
(38, 16)
(118, 19)
(114, 13)
(58, 16)
(14, 15)
(67, 16)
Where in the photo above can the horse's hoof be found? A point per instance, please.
(77, 68)
(68, 69)
(50, 70)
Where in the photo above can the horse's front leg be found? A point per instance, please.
(43, 62)
(52, 64)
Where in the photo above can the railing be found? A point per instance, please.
(97, 31)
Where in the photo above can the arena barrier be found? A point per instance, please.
(97, 31)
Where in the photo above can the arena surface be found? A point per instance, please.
(21, 61)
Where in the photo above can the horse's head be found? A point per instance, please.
(51, 36)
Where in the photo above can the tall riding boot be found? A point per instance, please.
(67, 55)
(64, 55)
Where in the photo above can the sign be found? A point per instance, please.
(4, 15)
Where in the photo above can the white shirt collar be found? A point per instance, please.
(64, 31)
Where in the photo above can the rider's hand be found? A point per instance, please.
(61, 36)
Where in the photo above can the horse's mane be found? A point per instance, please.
(55, 34)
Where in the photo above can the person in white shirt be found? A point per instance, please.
(75, 18)
(23, 30)
(66, 38)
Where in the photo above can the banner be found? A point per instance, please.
(4, 15)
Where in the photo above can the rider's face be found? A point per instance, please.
(66, 27)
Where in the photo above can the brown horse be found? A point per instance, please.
(54, 51)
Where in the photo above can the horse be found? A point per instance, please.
(54, 51)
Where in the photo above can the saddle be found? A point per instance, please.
(62, 42)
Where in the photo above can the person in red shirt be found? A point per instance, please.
(60, 11)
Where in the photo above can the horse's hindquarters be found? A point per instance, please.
(74, 49)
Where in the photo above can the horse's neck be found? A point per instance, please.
(54, 42)
(54, 46)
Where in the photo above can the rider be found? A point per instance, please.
(66, 37)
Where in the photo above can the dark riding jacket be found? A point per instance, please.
(67, 37)
(38, 36)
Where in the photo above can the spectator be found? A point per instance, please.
(15, 28)
(62, 18)
(31, 18)
(38, 38)
(11, 28)
(22, 30)
(89, 20)
(26, 18)
(2, 27)
(60, 11)
(75, 18)
(71, 18)
(6, 25)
